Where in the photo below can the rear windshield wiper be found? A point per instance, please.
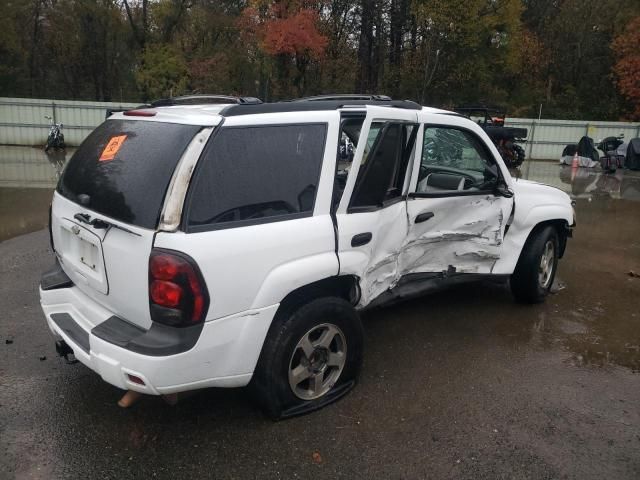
(101, 224)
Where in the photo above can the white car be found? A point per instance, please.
(225, 245)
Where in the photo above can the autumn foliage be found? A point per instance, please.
(626, 48)
(296, 34)
(573, 56)
(288, 31)
(282, 30)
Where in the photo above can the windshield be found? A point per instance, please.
(123, 169)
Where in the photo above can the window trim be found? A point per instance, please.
(456, 193)
(343, 116)
(375, 208)
(402, 197)
(208, 227)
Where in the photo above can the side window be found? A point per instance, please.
(384, 164)
(350, 130)
(454, 160)
(247, 174)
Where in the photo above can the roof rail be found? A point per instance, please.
(345, 96)
(205, 98)
(313, 106)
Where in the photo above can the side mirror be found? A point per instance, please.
(503, 190)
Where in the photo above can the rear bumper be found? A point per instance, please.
(223, 355)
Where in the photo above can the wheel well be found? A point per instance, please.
(344, 286)
(562, 228)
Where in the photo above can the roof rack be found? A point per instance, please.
(205, 98)
(345, 96)
(313, 105)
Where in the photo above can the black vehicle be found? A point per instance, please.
(506, 139)
(611, 160)
(632, 161)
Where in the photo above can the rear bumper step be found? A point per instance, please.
(159, 341)
(75, 332)
(55, 278)
(219, 353)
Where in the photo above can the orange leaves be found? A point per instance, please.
(626, 48)
(281, 30)
(296, 34)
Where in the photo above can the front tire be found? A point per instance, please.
(536, 269)
(311, 357)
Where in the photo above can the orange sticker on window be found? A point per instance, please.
(112, 148)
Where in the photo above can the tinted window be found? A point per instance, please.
(454, 160)
(384, 164)
(252, 173)
(125, 167)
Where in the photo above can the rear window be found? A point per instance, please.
(251, 175)
(125, 166)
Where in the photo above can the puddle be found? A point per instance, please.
(28, 177)
(588, 183)
(595, 311)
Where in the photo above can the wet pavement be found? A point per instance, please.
(27, 179)
(460, 384)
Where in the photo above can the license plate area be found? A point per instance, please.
(88, 253)
(81, 255)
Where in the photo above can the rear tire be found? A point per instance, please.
(311, 357)
(519, 151)
(536, 269)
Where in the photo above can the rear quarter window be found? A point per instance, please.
(250, 175)
(125, 166)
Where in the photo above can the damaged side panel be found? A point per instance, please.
(465, 235)
(376, 264)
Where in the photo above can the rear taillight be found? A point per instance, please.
(177, 292)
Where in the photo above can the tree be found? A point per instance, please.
(626, 48)
(163, 72)
(288, 32)
(518, 53)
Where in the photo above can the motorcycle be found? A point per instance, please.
(56, 137)
(611, 159)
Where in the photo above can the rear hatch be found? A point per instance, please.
(106, 209)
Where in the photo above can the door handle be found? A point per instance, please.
(423, 217)
(361, 239)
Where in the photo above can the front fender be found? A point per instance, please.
(526, 217)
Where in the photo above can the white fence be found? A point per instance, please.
(22, 122)
(547, 138)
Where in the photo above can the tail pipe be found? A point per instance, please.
(64, 350)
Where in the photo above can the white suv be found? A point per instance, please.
(224, 245)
